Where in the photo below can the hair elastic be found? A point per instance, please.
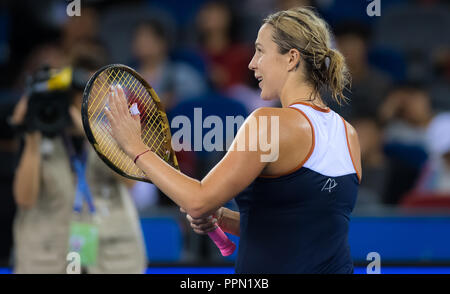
(327, 61)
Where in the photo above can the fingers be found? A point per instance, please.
(202, 225)
(109, 115)
(204, 232)
(121, 101)
(200, 221)
(114, 112)
(204, 229)
(118, 103)
(107, 109)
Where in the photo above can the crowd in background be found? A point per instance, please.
(196, 54)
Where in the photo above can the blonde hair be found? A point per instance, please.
(302, 29)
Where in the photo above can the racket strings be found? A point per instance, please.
(109, 151)
(153, 126)
(107, 145)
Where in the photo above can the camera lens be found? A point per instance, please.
(48, 112)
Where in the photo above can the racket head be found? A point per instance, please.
(155, 128)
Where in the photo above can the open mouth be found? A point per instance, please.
(260, 79)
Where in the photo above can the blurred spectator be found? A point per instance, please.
(435, 177)
(440, 87)
(374, 163)
(8, 148)
(441, 64)
(45, 188)
(251, 14)
(407, 113)
(227, 60)
(415, 30)
(77, 29)
(173, 81)
(182, 11)
(368, 84)
(46, 54)
(49, 54)
(409, 105)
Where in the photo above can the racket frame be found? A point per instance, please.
(156, 100)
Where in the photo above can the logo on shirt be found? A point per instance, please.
(329, 185)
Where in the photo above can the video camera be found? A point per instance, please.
(50, 95)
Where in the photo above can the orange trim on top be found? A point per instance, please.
(307, 156)
(313, 106)
(349, 150)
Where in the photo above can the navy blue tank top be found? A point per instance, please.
(298, 223)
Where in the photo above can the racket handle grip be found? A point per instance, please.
(225, 245)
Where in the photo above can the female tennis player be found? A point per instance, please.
(294, 213)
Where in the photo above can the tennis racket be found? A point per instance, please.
(155, 129)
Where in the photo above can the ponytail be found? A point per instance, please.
(337, 76)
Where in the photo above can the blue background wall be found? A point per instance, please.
(396, 239)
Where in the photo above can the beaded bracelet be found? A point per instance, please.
(137, 156)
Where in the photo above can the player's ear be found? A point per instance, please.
(294, 59)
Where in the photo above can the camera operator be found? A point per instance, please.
(47, 189)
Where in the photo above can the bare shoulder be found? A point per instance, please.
(352, 135)
(353, 144)
(351, 130)
(287, 118)
(292, 133)
(265, 111)
(292, 126)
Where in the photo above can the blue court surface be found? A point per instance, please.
(230, 270)
(407, 245)
(358, 270)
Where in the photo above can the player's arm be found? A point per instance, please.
(199, 198)
(230, 176)
(230, 221)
